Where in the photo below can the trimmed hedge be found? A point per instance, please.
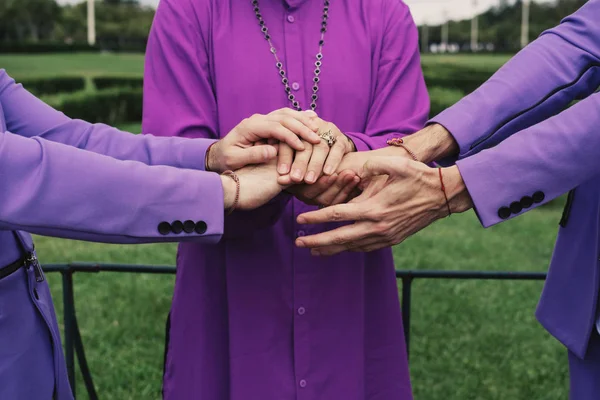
(455, 77)
(109, 106)
(442, 98)
(107, 82)
(45, 47)
(49, 86)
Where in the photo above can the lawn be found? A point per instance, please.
(470, 339)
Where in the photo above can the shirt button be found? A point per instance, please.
(301, 233)
(295, 86)
(291, 19)
(301, 310)
(302, 383)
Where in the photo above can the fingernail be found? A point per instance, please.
(297, 174)
(300, 220)
(299, 243)
(310, 177)
(328, 170)
(311, 113)
(283, 169)
(356, 179)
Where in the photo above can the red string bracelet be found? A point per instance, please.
(444, 191)
(206, 168)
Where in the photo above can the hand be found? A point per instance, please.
(328, 190)
(388, 212)
(258, 185)
(237, 149)
(309, 164)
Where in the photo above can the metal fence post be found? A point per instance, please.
(406, 295)
(69, 311)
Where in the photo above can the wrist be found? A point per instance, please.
(459, 198)
(211, 157)
(432, 143)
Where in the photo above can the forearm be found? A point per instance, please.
(57, 190)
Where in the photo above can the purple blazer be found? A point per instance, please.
(544, 153)
(68, 178)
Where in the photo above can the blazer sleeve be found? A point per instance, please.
(48, 188)
(28, 116)
(562, 65)
(536, 164)
(179, 98)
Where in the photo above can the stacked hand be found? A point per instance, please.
(282, 151)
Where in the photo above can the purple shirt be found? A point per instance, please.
(255, 317)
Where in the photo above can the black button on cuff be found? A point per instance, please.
(526, 202)
(516, 207)
(538, 197)
(201, 227)
(504, 212)
(189, 226)
(164, 228)
(177, 227)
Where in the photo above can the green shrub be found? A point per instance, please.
(455, 77)
(106, 82)
(45, 47)
(48, 86)
(111, 106)
(442, 98)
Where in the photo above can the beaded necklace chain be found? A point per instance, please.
(284, 79)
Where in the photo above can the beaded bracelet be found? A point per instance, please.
(236, 179)
(398, 142)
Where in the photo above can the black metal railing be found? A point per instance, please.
(74, 344)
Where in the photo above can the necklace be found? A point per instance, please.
(284, 79)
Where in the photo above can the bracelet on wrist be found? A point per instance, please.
(236, 179)
(399, 142)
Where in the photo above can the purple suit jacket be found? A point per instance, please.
(542, 154)
(68, 178)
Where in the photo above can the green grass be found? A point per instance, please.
(79, 64)
(470, 339)
(488, 61)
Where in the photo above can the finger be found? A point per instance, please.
(337, 213)
(337, 152)
(365, 245)
(374, 187)
(317, 160)
(262, 128)
(323, 184)
(327, 197)
(285, 159)
(344, 194)
(253, 155)
(342, 236)
(302, 123)
(301, 163)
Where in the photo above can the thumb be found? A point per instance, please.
(254, 155)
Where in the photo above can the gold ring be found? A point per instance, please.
(328, 138)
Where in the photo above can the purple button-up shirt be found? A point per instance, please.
(255, 317)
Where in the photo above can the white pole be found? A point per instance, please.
(525, 24)
(445, 32)
(91, 22)
(474, 28)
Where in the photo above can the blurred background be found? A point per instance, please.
(469, 339)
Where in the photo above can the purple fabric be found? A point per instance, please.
(68, 190)
(549, 157)
(255, 317)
